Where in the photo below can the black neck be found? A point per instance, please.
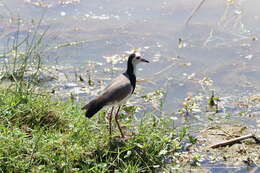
(130, 68)
(131, 73)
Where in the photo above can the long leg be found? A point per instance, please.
(117, 116)
(110, 120)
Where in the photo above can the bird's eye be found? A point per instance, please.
(138, 57)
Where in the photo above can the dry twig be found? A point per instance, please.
(232, 141)
(194, 11)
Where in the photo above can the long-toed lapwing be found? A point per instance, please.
(117, 93)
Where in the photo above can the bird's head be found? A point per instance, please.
(135, 58)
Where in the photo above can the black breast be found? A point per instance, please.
(132, 79)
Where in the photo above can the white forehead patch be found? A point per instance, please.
(137, 54)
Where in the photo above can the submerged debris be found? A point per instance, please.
(236, 154)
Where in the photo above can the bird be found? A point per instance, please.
(117, 92)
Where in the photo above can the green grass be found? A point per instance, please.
(40, 134)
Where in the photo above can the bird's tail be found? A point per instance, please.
(93, 107)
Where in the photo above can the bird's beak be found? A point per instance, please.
(144, 60)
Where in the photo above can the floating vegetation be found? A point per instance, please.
(115, 59)
(213, 102)
(43, 4)
(206, 82)
(181, 44)
(74, 43)
(66, 2)
(39, 3)
(155, 98)
(190, 105)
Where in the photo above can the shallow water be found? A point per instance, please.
(220, 42)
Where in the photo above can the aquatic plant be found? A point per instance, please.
(23, 59)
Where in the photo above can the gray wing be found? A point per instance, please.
(117, 91)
